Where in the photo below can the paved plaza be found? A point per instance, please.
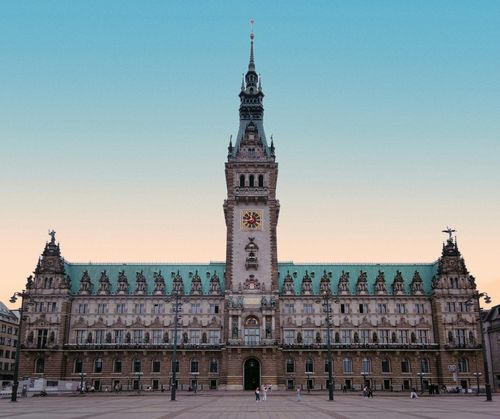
(222, 405)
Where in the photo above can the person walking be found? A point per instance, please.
(413, 394)
(298, 398)
(370, 393)
(257, 395)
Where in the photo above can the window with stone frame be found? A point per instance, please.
(289, 336)
(98, 365)
(157, 336)
(363, 308)
(40, 366)
(213, 366)
(347, 365)
(366, 365)
(422, 336)
(327, 365)
(463, 365)
(119, 336)
(405, 365)
(156, 365)
(121, 308)
(308, 308)
(158, 308)
(460, 336)
(81, 337)
(400, 308)
(214, 336)
(100, 336)
(117, 366)
(195, 337)
(386, 365)
(194, 366)
(288, 308)
(290, 366)
(419, 308)
(176, 365)
(102, 308)
(345, 336)
(364, 336)
(138, 336)
(381, 308)
(214, 308)
(403, 337)
(383, 336)
(308, 337)
(78, 366)
(136, 365)
(325, 336)
(424, 365)
(309, 365)
(195, 308)
(140, 308)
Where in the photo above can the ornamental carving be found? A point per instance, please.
(417, 285)
(122, 283)
(362, 284)
(196, 285)
(178, 284)
(343, 288)
(288, 287)
(324, 285)
(306, 285)
(380, 285)
(104, 284)
(251, 248)
(85, 284)
(214, 284)
(398, 285)
(252, 284)
(140, 283)
(159, 283)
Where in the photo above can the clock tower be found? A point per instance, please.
(251, 208)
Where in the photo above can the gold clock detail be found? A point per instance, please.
(251, 220)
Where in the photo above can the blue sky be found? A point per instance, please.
(385, 114)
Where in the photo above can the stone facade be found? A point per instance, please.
(491, 325)
(252, 320)
(8, 341)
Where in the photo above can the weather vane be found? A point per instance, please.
(449, 231)
(251, 26)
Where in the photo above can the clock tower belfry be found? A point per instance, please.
(251, 208)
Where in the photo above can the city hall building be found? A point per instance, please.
(252, 320)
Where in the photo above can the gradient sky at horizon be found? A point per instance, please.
(116, 117)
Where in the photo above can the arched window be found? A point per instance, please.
(261, 181)
(213, 366)
(137, 365)
(252, 331)
(194, 366)
(463, 365)
(251, 181)
(155, 365)
(309, 365)
(242, 181)
(40, 366)
(424, 365)
(290, 365)
(405, 365)
(78, 366)
(117, 366)
(98, 365)
(327, 364)
(386, 365)
(347, 365)
(366, 365)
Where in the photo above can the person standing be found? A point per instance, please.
(298, 398)
(264, 392)
(257, 395)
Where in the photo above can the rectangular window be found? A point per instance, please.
(460, 336)
(121, 308)
(308, 337)
(252, 336)
(52, 307)
(383, 336)
(214, 337)
(214, 308)
(83, 308)
(288, 308)
(195, 337)
(42, 338)
(269, 327)
(403, 337)
(117, 366)
(100, 336)
(158, 308)
(195, 308)
(344, 308)
(234, 327)
(382, 308)
(102, 308)
(419, 308)
(363, 308)
(140, 308)
(157, 337)
(422, 336)
(308, 308)
(138, 336)
(81, 335)
(213, 366)
(176, 308)
(119, 336)
(345, 336)
(364, 336)
(194, 366)
(400, 308)
(289, 337)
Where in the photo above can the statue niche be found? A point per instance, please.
(251, 248)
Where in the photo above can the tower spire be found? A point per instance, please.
(251, 64)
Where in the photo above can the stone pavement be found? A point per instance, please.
(225, 405)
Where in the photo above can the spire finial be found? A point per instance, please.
(242, 82)
(251, 65)
(52, 235)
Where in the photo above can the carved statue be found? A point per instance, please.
(196, 285)
(306, 284)
(343, 287)
(362, 284)
(288, 287)
(140, 281)
(398, 286)
(159, 283)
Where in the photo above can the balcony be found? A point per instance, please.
(246, 193)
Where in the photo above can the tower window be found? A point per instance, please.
(251, 181)
(261, 181)
(242, 181)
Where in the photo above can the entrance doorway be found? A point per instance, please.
(251, 374)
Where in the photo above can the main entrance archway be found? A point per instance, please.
(251, 371)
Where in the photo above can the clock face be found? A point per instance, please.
(251, 220)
